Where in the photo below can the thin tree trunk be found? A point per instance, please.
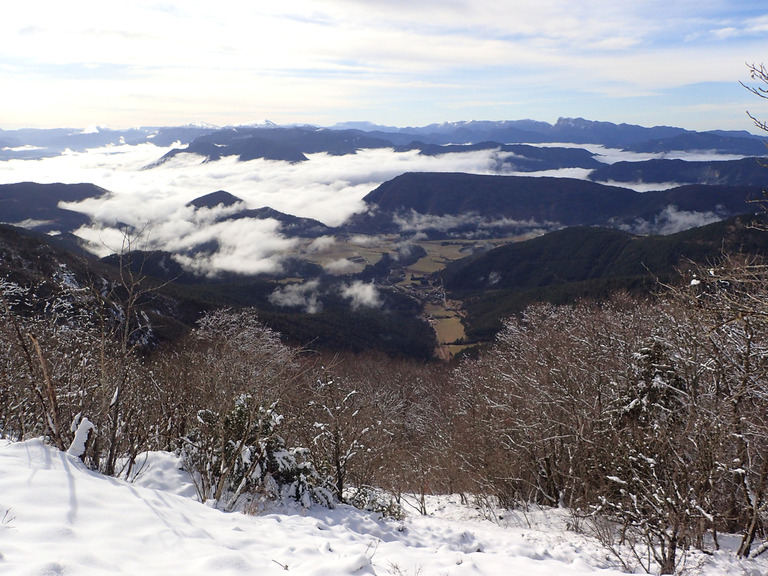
(53, 408)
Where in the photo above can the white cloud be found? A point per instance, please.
(321, 243)
(416, 222)
(303, 296)
(641, 186)
(613, 155)
(361, 295)
(341, 266)
(363, 240)
(672, 220)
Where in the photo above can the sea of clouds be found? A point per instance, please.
(327, 188)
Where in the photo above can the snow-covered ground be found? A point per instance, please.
(58, 517)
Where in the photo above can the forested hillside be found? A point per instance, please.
(643, 415)
(588, 263)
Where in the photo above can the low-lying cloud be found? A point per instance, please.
(341, 266)
(415, 222)
(326, 188)
(613, 155)
(307, 295)
(672, 220)
(361, 295)
(641, 186)
(304, 296)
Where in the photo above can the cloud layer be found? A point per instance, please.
(326, 188)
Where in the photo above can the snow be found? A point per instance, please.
(58, 517)
(77, 449)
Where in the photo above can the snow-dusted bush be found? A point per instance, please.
(375, 500)
(652, 415)
(237, 457)
(529, 412)
(341, 424)
(232, 371)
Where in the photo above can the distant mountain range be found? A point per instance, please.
(744, 172)
(288, 142)
(574, 130)
(292, 143)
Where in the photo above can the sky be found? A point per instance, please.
(395, 62)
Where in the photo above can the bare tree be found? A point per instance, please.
(759, 73)
(731, 299)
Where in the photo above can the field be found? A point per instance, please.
(351, 255)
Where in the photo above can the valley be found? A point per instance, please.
(401, 240)
(374, 288)
(418, 279)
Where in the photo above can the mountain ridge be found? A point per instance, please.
(527, 202)
(38, 143)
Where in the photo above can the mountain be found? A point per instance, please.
(465, 132)
(586, 262)
(631, 137)
(36, 206)
(718, 142)
(744, 172)
(215, 146)
(516, 157)
(29, 259)
(218, 198)
(521, 197)
(80, 284)
(572, 130)
(607, 133)
(364, 126)
(455, 204)
(271, 143)
(290, 226)
(178, 134)
(480, 131)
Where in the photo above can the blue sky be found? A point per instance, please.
(395, 62)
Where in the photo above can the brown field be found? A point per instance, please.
(361, 251)
(447, 323)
